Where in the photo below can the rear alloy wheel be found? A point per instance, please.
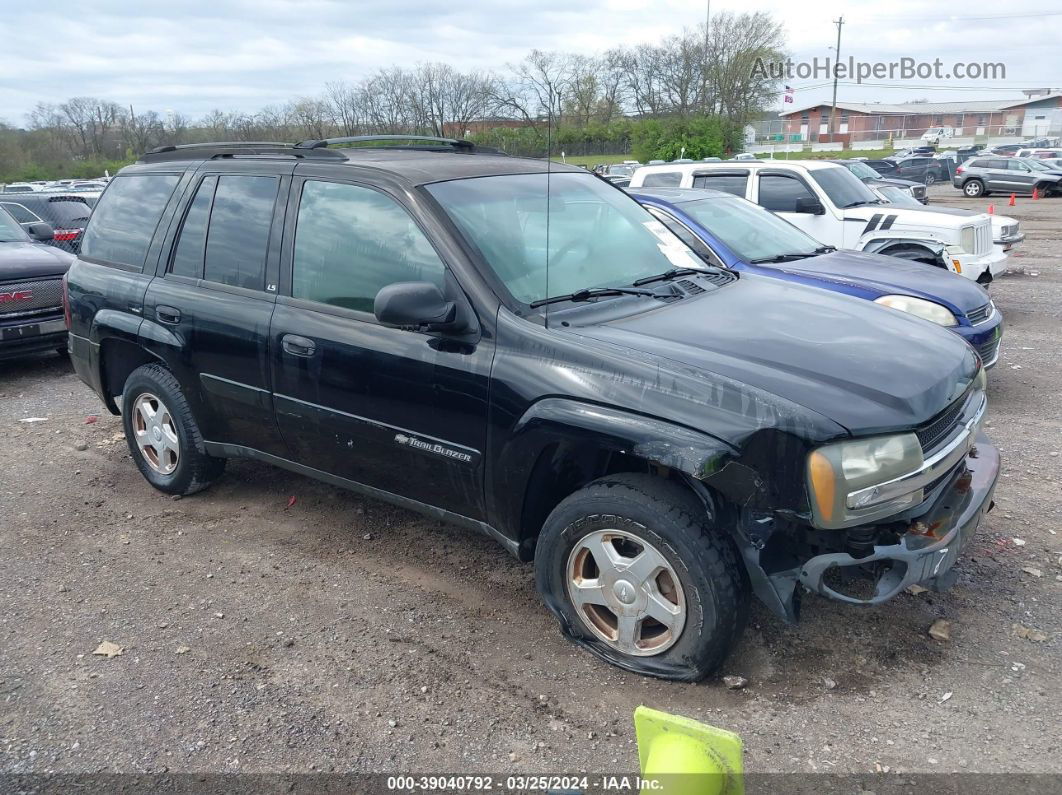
(973, 188)
(162, 434)
(155, 434)
(930, 179)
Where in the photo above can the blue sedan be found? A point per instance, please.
(739, 235)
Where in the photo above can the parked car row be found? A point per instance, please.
(64, 185)
(668, 410)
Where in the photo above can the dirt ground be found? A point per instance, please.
(341, 634)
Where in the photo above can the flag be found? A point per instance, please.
(788, 94)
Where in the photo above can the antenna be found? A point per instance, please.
(549, 167)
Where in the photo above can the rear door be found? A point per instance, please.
(208, 314)
(403, 411)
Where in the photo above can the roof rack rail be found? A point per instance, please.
(391, 142)
(219, 149)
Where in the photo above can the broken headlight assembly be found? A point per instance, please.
(863, 480)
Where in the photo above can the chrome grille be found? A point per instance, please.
(980, 314)
(989, 352)
(45, 294)
(940, 428)
(983, 238)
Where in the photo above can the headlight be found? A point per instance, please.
(981, 379)
(843, 479)
(910, 192)
(920, 307)
(967, 239)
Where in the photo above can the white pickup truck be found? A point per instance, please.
(833, 206)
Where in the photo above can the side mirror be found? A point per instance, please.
(40, 232)
(419, 305)
(809, 205)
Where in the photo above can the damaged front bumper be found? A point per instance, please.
(926, 552)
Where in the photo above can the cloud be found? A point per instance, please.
(243, 54)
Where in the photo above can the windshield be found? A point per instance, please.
(1036, 165)
(621, 171)
(597, 236)
(10, 231)
(862, 170)
(843, 187)
(899, 197)
(750, 231)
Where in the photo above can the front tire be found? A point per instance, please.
(162, 434)
(635, 572)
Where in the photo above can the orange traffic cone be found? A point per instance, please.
(1036, 194)
(991, 209)
(1011, 200)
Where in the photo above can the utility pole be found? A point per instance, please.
(704, 66)
(837, 54)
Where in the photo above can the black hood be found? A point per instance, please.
(23, 261)
(868, 368)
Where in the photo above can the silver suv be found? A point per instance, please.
(983, 175)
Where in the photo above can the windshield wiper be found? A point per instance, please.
(787, 257)
(825, 249)
(674, 273)
(863, 204)
(591, 292)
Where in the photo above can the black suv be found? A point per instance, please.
(522, 349)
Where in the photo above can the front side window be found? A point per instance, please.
(10, 231)
(21, 214)
(843, 187)
(662, 179)
(780, 193)
(728, 183)
(351, 241)
(125, 218)
(553, 236)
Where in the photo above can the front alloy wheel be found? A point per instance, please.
(626, 593)
(155, 434)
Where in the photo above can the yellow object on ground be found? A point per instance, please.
(687, 757)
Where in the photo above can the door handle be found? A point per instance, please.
(298, 346)
(168, 314)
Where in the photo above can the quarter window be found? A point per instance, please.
(125, 218)
(351, 242)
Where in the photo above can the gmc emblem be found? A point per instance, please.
(17, 295)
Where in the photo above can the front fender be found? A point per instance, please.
(875, 245)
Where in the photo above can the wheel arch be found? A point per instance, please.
(118, 358)
(561, 445)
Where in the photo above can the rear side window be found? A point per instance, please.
(350, 242)
(125, 218)
(225, 234)
(188, 254)
(728, 183)
(662, 179)
(238, 235)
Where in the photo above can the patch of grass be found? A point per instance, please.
(593, 160)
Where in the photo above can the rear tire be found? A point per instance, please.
(695, 583)
(162, 434)
(973, 188)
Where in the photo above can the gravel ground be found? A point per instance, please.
(341, 634)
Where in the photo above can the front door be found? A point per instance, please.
(789, 197)
(399, 410)
(208, 315)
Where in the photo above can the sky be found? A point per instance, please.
(196, 55)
